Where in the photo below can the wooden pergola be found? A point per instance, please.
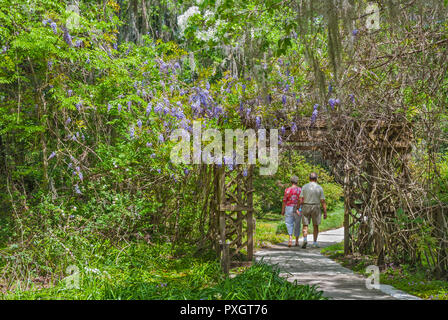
(232, 220)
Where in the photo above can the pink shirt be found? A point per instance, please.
(291, 197)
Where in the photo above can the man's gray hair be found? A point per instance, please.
(313, 176)
(294, 179)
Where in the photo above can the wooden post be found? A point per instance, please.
(225, 259)
(249, 215)
(224, 246)
(346, 211)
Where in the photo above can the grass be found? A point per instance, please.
(271, 228)
(415, 281)
(152, 272)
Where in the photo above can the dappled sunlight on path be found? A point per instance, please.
(309, 266)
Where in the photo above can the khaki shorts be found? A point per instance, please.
(311, 212)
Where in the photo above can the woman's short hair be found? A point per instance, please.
(294, 179)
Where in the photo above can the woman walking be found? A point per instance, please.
(289, 210)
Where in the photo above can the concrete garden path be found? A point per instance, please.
(309, 266)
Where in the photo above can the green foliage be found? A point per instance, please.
(442, 182)
(149, 272)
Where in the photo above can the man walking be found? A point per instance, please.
(311, 198)
(289, 208)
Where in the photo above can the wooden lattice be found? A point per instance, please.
(232, 215)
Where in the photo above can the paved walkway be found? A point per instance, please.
(309, 266)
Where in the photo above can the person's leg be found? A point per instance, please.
(289, 221)
(315, 232)
(297, 227)
(305, 222)
(316, 223)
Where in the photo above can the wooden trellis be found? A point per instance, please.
(232, 222)
(232, 215)
(387, 141)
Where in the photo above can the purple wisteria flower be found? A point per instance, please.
(50, 64)
(78, 106)
(355, 32)
(69, 92)
(119, 108)
(67, 37)
(245, 173)
(217, 111)
(248, 112)
(109, 106)
(293, 127)
(77, 189)
(131, 132)
(148, 144)
(258, 122)
(315, 112)
(79, 43)
(228, 161)
(282, 130)
(52, 155)
(153, 155)
(139, 123)
(241, 108)
(196, 107)
(129, 105)
(186, 171)
(161, 138)
(158, 108)
(352, 97)
(81, 177)
(54, 27)
(284, 99)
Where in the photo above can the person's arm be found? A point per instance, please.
(284, 203)
(299, 204)
(324, 206)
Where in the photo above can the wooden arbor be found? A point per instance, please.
(363, 154)
(232, 220)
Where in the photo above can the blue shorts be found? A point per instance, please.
(292, 221)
